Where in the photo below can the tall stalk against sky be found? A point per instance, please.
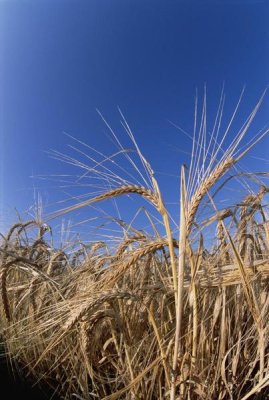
(208, 165)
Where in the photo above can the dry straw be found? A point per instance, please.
(154, 316)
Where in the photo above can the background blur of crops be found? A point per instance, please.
(100, 321)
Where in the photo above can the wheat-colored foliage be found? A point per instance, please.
(154, 316)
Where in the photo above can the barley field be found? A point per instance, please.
(174, 314)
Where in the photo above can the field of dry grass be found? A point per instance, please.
(156, 316)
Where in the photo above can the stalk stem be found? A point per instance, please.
(181, 264)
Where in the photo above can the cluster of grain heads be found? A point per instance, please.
(151, 317)
(189, 204)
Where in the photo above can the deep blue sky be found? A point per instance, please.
(60, 60)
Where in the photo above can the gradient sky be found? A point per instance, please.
(62, 60)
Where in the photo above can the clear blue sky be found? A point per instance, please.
(60, 60)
